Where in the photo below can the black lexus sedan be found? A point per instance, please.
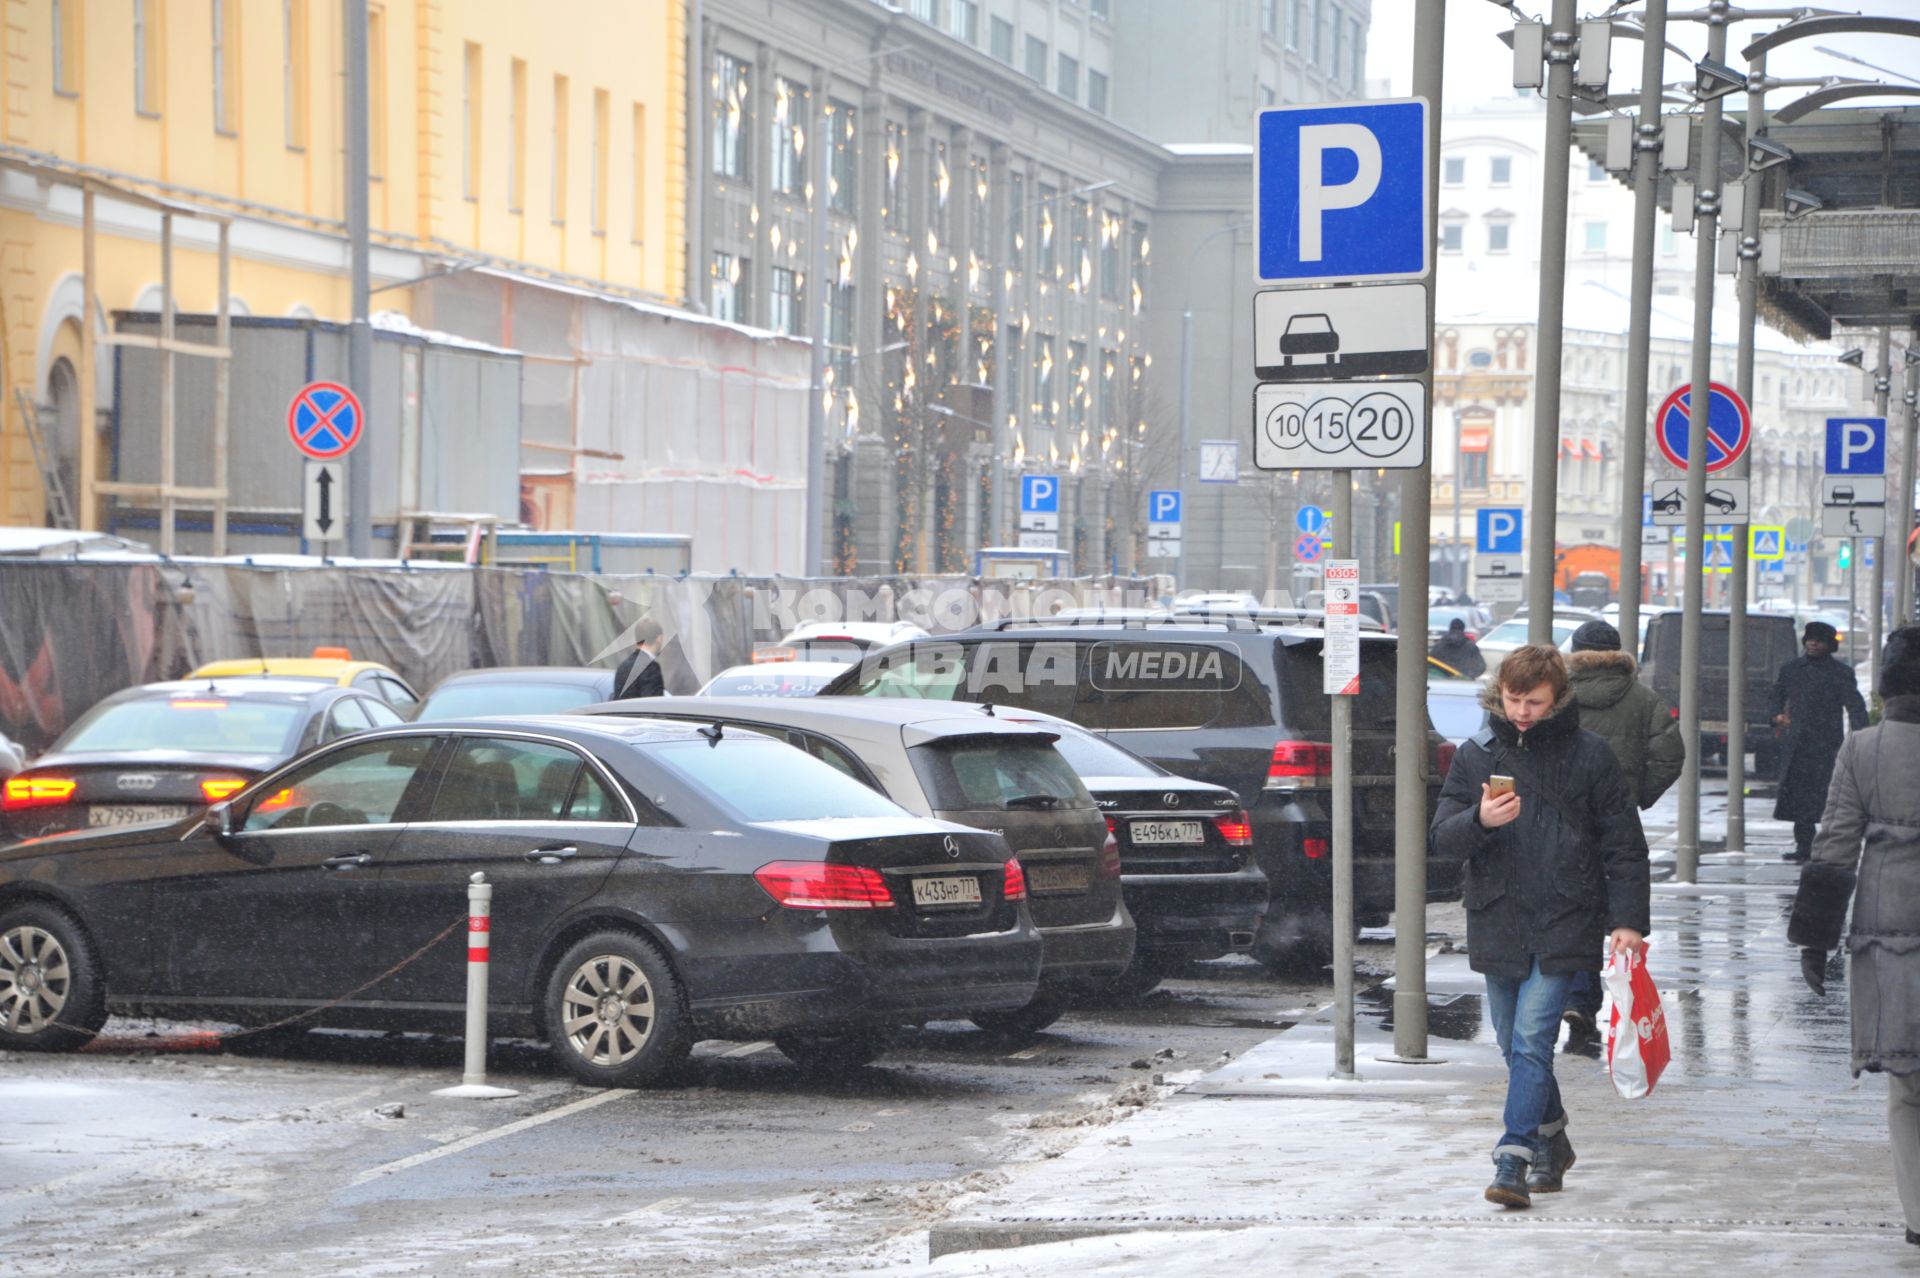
(653, 884)
(164, 751)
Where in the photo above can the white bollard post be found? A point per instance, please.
(473, 1083)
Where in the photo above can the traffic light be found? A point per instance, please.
(1846, 555)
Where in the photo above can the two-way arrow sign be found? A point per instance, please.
(324, 499)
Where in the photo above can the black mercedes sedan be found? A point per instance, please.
(653, 884)
(164, 751)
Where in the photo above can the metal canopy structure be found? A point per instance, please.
(169, 495)
(1855, 260)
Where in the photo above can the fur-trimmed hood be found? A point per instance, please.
(1600, 678)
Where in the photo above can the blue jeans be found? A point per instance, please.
(1526, 1019)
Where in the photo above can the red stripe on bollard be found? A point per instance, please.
(479, 923)
(477, 954)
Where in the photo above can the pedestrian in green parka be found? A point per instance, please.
(1636, 723)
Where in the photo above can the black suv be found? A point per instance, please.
(1239, 706)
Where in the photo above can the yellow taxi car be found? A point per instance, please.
(326, 665)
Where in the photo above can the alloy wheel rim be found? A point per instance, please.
(607, 1010)
(35, 979)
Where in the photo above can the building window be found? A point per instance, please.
(791, 102)
(1077, 390)
(724, 286)
(146, 59)
(1069, 82)
(921, 9)
(1596, 171)
(894, 212)
(1339, 44)
(1596, 237)
(1000, 40)
(1270, 17)
(977, 192)
(1319, 31)
(376, 93)
(470, 123)
(1502, 170)
(224, 48)
(1037, 59)
(1473, 471)
(517, 136)
(597, 197)
(963, 20)
(639, 173)
(1357, 47)
(731, 114)
(1049, 257)
(1097, 92)
(1101, 9)
(1667, 247)
(1266, 95)
(1081, 231)
(1296, 18)
(1452, 235)
(840, 333)
(1453, 171)
(843, 128)
(787, 307)
(65, 21)
(1109, 257)
(1497, 236)
(939, 197)
(1139, 266)
(293, 71)
(558, 196)
(1043, 402)
(1016, 220)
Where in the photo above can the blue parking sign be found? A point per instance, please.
(1497, 530)
(1163, 506)
(1856, 445)
(1040, 494)
(1341, 191)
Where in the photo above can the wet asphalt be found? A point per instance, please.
(161, 1150)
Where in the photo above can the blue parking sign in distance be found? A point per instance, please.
(1340, 191)
(1497, 530)
(1040, 494)
(1163, 506)
(1856, 445)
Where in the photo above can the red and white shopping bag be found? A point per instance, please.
(1637, 1049)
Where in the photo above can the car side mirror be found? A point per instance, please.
(220, 819)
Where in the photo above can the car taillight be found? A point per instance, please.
(808, 885)
(1297, 761)
(37, 792)
(1111, 832)
(1013, 883)
(218, 788)
(1110, 858)
(1443, 757)
(1673, 711)
(1316, 849)
(1236, 828)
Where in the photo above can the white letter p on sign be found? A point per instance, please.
(1857, 438)
(1315, 196)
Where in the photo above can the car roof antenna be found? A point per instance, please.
(987, 706)
(712, 732)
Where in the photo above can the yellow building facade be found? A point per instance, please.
(546, 140)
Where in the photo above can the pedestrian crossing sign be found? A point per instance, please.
(1766, 543)
(1719, 554)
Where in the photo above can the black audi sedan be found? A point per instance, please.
(163, 751)
(653, 884)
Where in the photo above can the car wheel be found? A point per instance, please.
(1022, 1022)
(834, 1053)
(52, 995)
(1141, 978)
(616, 1014)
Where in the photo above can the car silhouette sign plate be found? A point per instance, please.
(1726, 501)
(1322, 334)
(1339, 425)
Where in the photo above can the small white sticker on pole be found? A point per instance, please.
(1340, 655)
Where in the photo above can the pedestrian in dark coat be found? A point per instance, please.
(1554, 869)
(1814, 699)
(1459, 652)
(1874, 803)
(638, 675)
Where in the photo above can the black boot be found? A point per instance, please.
(1548, 1173)
(1913, 1238)
(1509, 1187)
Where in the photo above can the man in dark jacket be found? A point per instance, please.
(639, 673)
(1643, 735)
(1814, 699)
(1460, 652)
(1554, 867)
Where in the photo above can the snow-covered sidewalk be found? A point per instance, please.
(1758, 1152)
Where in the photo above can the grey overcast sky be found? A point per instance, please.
(1478, 66)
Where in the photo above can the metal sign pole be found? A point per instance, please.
(1882, 387)
(1410, 751)
(1706, 226)
(1544, 498)
(360, 334)
(1342, 800)
(1747, 286)
(1903, 610)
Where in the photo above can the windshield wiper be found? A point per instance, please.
(1032, 801)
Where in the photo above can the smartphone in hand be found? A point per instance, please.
(1498, 785)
